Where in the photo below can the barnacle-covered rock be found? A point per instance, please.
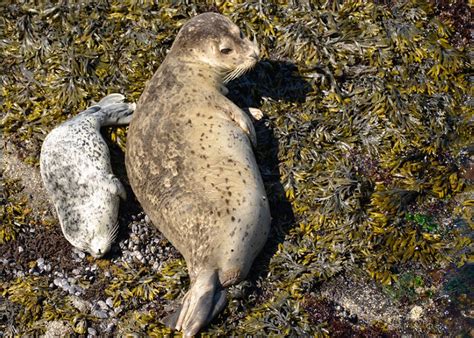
(365, 150)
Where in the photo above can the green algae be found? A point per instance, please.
(369, 109)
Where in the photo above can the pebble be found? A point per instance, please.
(99, 314)
(92, 331)
(20, 249)
(40, 262)
(109, 301)
(102, 305)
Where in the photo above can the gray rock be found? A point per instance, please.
(80, 304)
(99, 314)
(109, 301)
(58, 329)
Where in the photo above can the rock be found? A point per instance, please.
(102, 305)
(362, 299)
(58, 328)
(92, 331)
(99, 314)
(109, 301)
(80, 304)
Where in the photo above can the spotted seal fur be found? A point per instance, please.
(76, 171)
(191, 165)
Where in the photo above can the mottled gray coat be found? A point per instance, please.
(75, 168)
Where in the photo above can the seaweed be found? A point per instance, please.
(365, 150)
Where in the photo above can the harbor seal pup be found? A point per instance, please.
(76, 171)
(191, 165)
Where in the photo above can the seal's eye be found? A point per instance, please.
(226, 50)
(241, 35)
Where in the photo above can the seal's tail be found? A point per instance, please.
(113, 111)
(200, 305)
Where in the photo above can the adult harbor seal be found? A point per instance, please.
(76, 171)
(190, 163)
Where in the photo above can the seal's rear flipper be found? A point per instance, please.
(117, 114)
(110, 99)
(200, 305)
(111, 110)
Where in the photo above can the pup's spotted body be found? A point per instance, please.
(76, 171)
(191, 165)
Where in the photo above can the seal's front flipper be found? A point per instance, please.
(200, 305)
(116, 187)
(117, 114)
(245, 123)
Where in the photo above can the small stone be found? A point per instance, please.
(20, 249)
(40, 262)
(109, 301)
(81, 255)
(58, 329)
(102, 305)
(138, 255)
(92, 331)
(47, 267)
(78, 303)
(99, 314)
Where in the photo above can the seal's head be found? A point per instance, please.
(97, 242)
(212, 39)
(99, 246)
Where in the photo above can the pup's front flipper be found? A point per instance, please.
(116, 187)
(200, 305)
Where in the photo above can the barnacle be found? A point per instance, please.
(369, 113)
